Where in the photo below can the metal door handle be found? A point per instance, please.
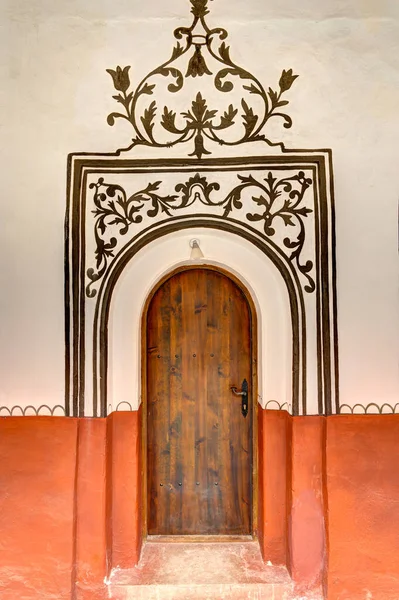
(244, 393)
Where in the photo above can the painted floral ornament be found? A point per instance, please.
(197, 64)
(157, 123)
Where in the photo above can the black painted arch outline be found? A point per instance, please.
(80, 165)
(154, 232)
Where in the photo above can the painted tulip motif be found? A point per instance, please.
(120, 78)
(197, 64)
(286, 80)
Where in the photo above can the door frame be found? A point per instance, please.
(254, 397)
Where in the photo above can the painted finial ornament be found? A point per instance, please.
(200, 53)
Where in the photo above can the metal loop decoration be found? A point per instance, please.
(25, 411)
(370, 409)
(274, 405)
(199, 124)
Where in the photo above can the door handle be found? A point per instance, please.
(244, 394)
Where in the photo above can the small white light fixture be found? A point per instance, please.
(196, 252)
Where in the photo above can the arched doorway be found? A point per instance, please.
(199, 342)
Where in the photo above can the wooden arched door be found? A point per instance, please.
(199, 440)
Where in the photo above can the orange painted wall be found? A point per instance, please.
(363, 502)
(71, 507)
(274, 468)
(90, 511)
(69, 496)
(337, 478)
(37, 487)
(307, 526)
(124, 511)
(291, 523)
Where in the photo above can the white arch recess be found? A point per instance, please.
(222, 249)
(267, 220)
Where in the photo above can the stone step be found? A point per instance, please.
(201, 571)
(222, 591)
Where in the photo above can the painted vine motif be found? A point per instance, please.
(278, 203)
(200, 123)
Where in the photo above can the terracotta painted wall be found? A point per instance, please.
(291, 523)
(37, 486)
(89, 557)
(70, 504)
(274, 468)
(363, 503)
(337, 478)
(307, 522)
(69, 491)
(124, 522)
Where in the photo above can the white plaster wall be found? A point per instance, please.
(55, 96)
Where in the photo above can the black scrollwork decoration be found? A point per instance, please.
(199, 124)
(114, 207)
(280, 201)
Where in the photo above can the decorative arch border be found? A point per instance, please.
(106, 290)
(78, 366)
